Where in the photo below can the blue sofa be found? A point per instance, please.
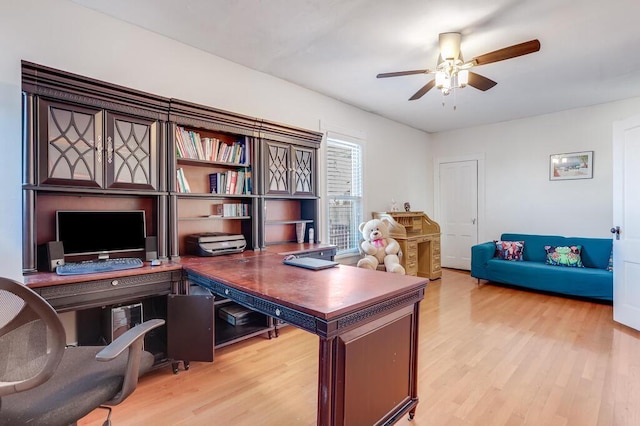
(594, 281)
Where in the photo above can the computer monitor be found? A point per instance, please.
(100, 232)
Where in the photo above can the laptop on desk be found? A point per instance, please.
(310, 263)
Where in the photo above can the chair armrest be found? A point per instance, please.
(126, 339)
(131, 339)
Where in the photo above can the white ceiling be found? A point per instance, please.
(590, 49)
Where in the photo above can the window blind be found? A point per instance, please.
(344, 194)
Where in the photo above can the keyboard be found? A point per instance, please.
(93, 266)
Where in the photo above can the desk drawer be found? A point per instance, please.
(411, 267)
(94, 293)
(436, 246)
(412, 256)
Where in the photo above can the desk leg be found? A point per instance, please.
(326, 406)
(368, 374)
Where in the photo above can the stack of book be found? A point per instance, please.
(183, 183)
(230, 182)
(190, 145)
(230, 210)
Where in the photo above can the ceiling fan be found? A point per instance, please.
(452, 71)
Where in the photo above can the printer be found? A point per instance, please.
(215, 243)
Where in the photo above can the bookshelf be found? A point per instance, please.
(213, 186)
(177, 148)
(289, 184)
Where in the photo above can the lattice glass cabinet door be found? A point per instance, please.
(130, 147)
(289, 169)
(303, 178)
(278, 168)
(76, 148)
(70, 145)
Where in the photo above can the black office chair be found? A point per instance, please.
(44, 382)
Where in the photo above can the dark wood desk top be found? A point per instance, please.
(325, 294)
(46, 279)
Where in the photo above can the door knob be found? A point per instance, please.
(616, 231)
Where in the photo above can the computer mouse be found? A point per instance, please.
(156, 262)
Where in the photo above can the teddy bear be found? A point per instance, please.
(378, 247)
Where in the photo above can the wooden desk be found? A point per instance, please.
(367, 322)
(419, 239)
(75, 292)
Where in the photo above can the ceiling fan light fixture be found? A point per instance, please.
(443, 81)
(449, 46)
(463, 78)
(452, 72)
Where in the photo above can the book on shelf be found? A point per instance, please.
(183, 183)
(248, 189)
(237, 182)
(235, 210)
(232, 179)
(190, 144)
(197, 144)
(217, 183)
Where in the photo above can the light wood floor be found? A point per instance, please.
(488, 355)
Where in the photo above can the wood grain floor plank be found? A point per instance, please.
(488, 355)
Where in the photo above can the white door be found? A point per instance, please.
(626, 216)
(458, 212)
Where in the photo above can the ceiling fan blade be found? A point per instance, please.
(420, 93)
(401, 73)
(480, 82)
(508, 52)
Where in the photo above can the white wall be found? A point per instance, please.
(60, 34)
(519, 195)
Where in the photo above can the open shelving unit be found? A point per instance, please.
(226, 334)
(131, 146)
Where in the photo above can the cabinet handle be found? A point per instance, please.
(109, 150)
(99, 149)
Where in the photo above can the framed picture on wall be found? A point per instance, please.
(572, 165)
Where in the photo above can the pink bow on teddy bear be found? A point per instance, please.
(379, 243)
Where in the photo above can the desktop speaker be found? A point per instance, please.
(50, 255)
(151, 248)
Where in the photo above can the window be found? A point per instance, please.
(344, 194)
